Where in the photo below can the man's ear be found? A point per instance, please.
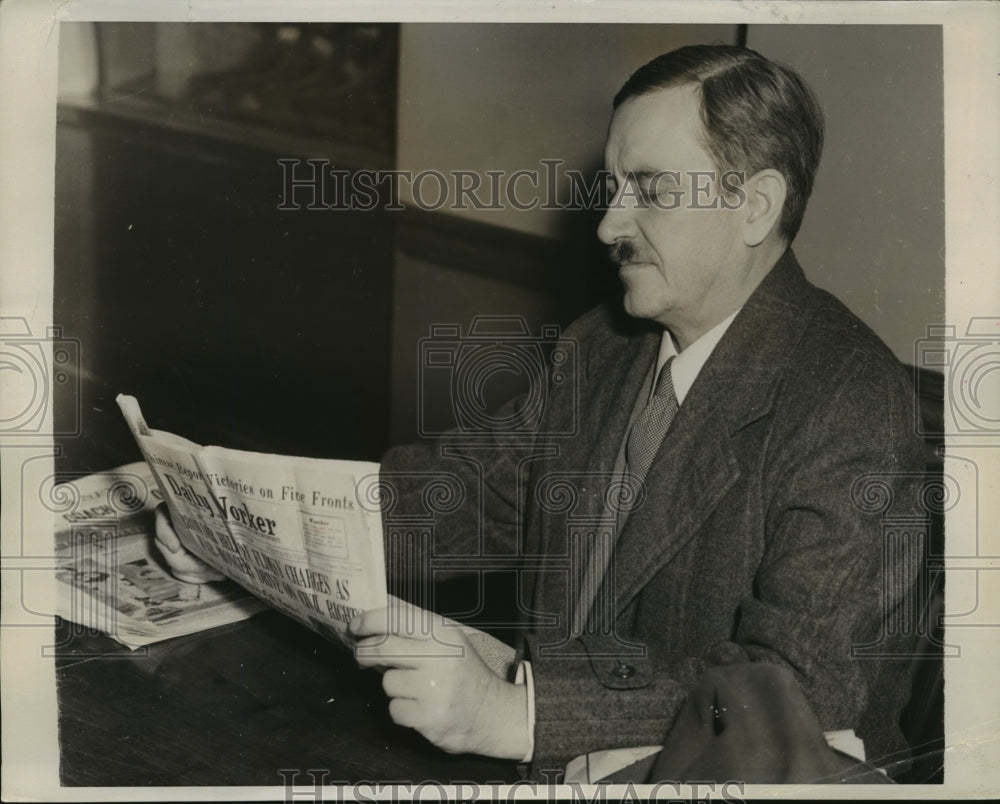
(765, 199)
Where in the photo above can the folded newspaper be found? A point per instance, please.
(110, 577)
(302, 534)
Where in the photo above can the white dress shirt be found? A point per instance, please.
(688, 364)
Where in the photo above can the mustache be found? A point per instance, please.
(623, 252)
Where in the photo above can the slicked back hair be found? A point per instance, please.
(756, 114)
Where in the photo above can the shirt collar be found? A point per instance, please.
(687, 364)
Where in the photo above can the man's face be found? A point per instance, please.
(681, 265)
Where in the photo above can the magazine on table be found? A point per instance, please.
(110, 577)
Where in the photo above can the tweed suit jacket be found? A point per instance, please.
(759, 536)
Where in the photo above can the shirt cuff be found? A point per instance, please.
(525, 677)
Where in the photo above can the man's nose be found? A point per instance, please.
(617, 223)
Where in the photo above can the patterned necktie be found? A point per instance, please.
(595, 600)
(652, 424)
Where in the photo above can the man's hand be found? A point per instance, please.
(455, 701)
(184, 566)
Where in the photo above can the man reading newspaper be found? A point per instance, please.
(740, 408)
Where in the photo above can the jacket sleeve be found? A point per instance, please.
(470, 485)
(461, 495)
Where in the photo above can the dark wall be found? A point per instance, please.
(232, 322)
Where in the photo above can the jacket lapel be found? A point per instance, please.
(688, 479)
(696, 465)
(613, 374)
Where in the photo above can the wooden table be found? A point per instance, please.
(234, 706)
